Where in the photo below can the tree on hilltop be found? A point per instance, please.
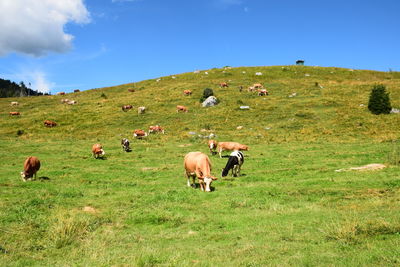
(379, 101)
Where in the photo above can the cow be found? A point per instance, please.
(126, 107)
(48, 123)
(131, 90)
(212, 145)
(258, 86)
(262, 92)
(141, 110)
(72, 102)
(181, 108)
(97, 151)
(31, 166)
(139, 134)
(61, 93)
(235, 162)
(156, 129)
(251, 89)
(197, 164)
(230, 146)
(125, 145)
(187, 92)
(14, 103)
(64, 100)
(77, 91)
(223, 84)
(14, 113)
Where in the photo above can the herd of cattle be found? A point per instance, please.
(196, 164)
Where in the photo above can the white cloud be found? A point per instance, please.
(36, 27)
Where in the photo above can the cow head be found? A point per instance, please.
(24, 176)
(206, 182)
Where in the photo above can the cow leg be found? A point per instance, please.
(188, 179)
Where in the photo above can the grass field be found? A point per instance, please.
(289, 208)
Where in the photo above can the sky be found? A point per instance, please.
(62, 45)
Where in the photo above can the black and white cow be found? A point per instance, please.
(235, 162)
(125, 145)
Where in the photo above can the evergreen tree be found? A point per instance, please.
(379, 101)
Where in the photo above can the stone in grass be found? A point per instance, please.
(244, 107)
(210, 101)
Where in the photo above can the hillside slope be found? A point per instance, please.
(333, 109)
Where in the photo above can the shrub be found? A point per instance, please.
(103, 95)
(379, 101)
(206, 93)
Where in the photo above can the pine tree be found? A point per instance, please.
(379, 101)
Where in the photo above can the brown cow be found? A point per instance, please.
(126, 107)
(262, 92)
(97, 151)
(61, 93)
(187, 92)
(139, 133)
(212, 145)
(156, 129)
(48, 123)
(197, 164)
(31, 166)
(223, 84)
(14, 113)
(131, 90)
(77, 91)
(230, 146)
(181, 108)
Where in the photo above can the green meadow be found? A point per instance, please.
(290, 207)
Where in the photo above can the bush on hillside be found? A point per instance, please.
(379, 101)
(206, 93)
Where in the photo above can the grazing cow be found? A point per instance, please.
(235, 162)
(262, 92)
(31, 166)
(61, 93)
(139, 134)
(197, 164)
(72, 102)
(258, 86)
(77, 91)
(156, 129)
(97, 151)
(48, 123)
(141, 110)
(223, 84)
(212, 145)
(14, 103)
(125, 145)
(131, 90)
(187, 92)
(230, 146)
(14, 113)
(64, 100)
(126, 107)
(181, 108)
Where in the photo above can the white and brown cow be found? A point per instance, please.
(262, 92)
(49, 123)
(31, 166)
(98, 151)
(126, 107)
(156, 129)
(212, 145)
(139, 133)
(197, 164)
(230, 146)
(180, 108)
(223, 84)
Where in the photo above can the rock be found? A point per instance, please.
(211, 136)
(368, 167)
(210, 101)
(244, 107)
(89, 209)
(258, 73)
(395, 110)
(192, 133)
(239, 127)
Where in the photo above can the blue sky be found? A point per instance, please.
(62, 45)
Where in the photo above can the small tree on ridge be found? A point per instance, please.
(379, 101)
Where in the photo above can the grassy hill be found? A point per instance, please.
(289, 208)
